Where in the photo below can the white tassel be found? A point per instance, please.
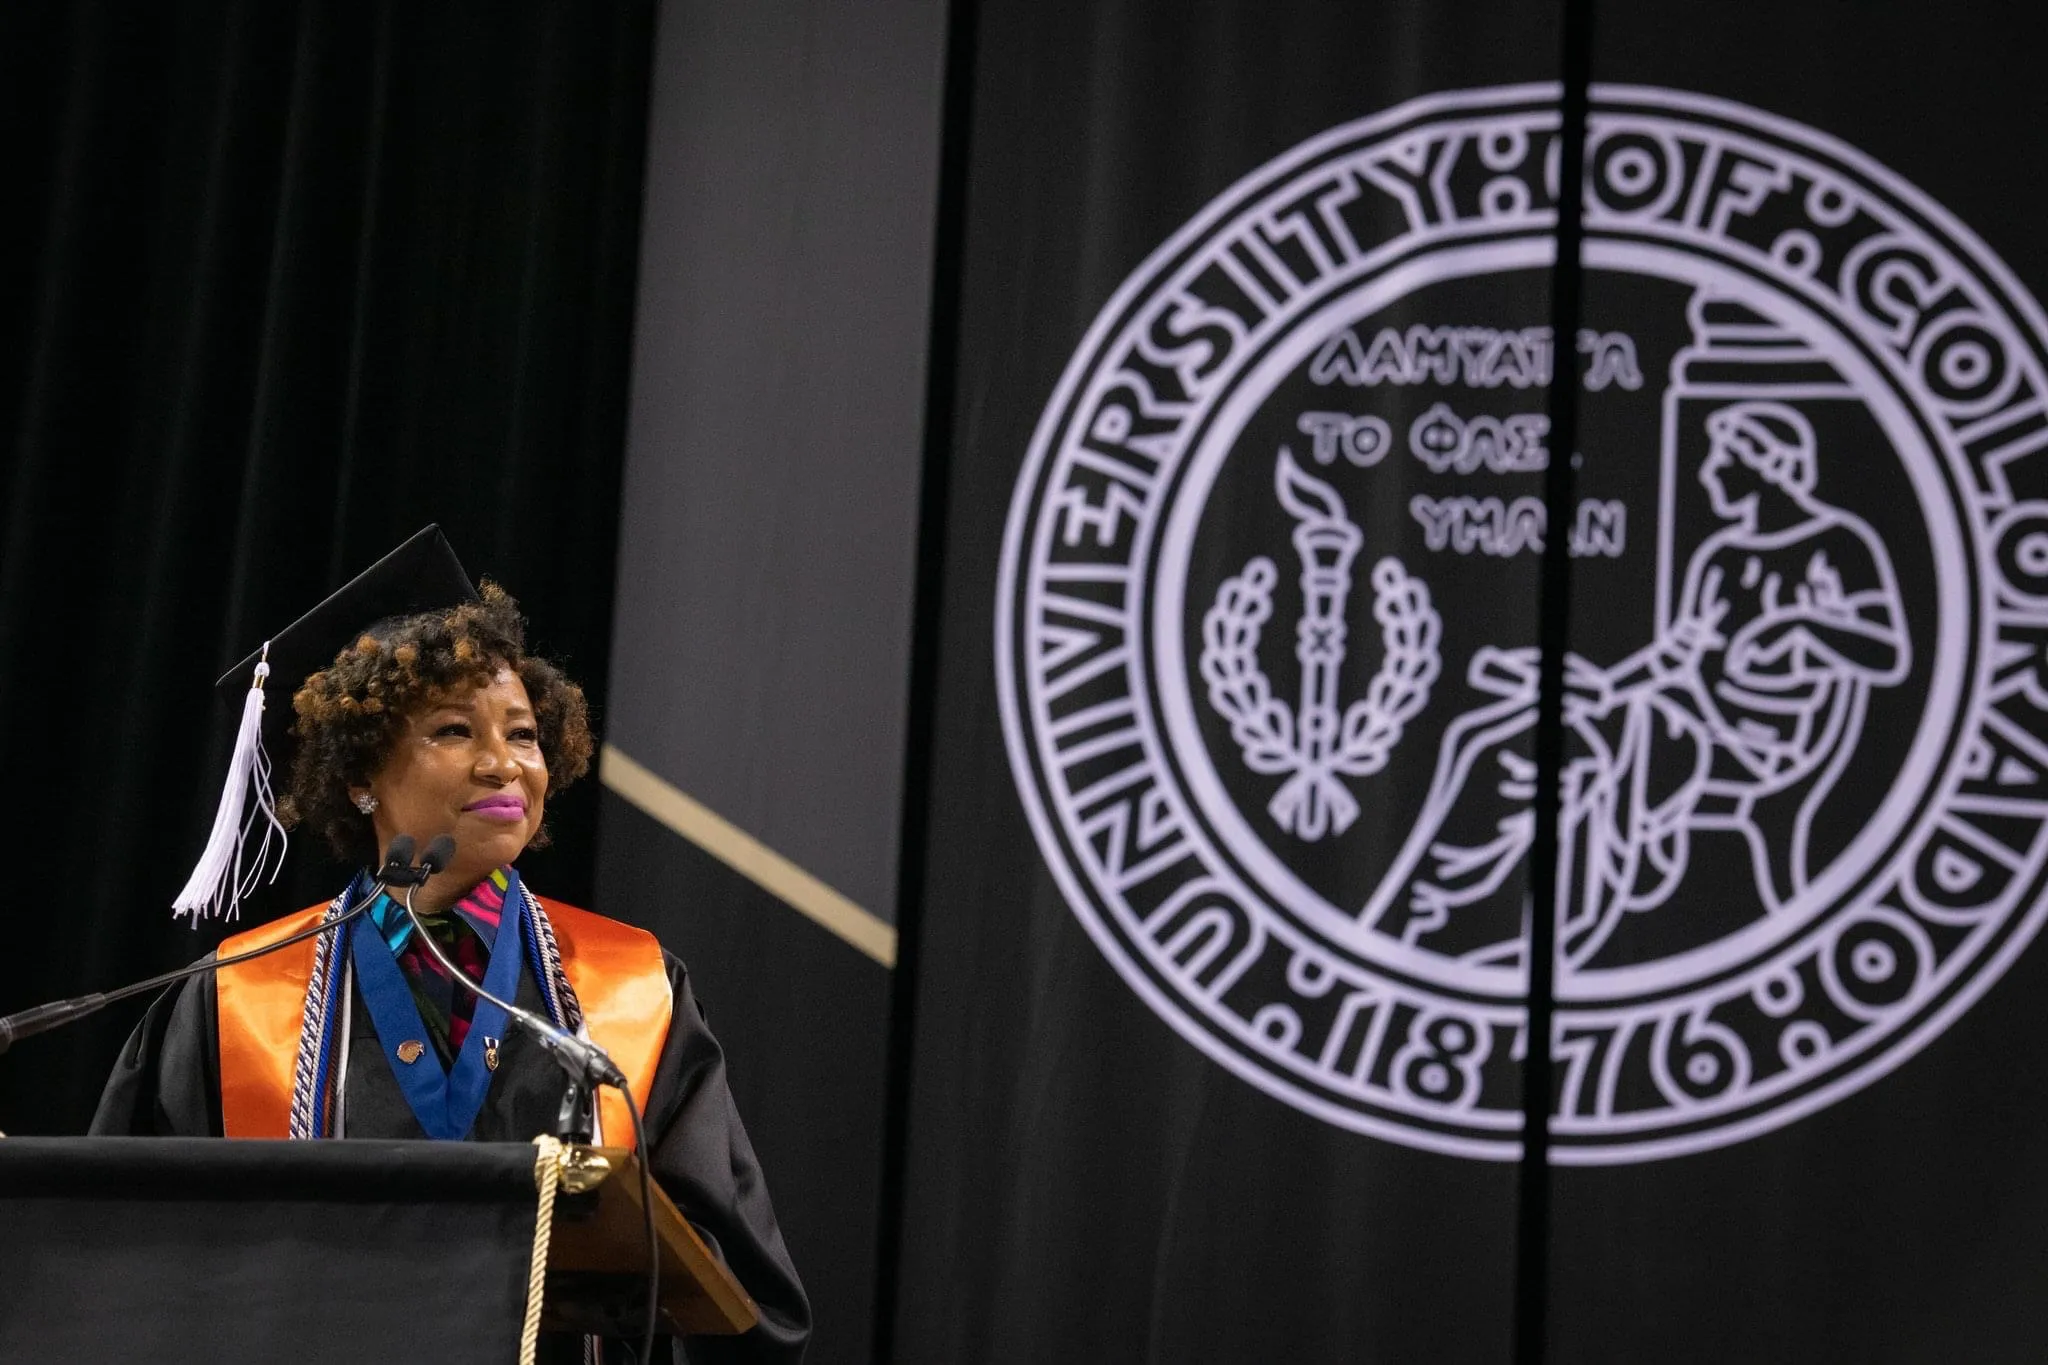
(219, 882)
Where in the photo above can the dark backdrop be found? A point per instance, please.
(1903, 1223)
(768, 533)
(284, 282)
(1081, 1184)
(281, 284)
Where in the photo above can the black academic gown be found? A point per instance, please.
(167, 1083)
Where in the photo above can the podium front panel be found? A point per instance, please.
(206, 1250)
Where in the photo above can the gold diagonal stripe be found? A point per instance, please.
(746, 855)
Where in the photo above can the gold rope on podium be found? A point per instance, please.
(549, 1158)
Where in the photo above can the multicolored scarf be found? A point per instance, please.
(314, 1068)
(466, 931)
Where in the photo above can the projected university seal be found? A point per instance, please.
(1266, 624)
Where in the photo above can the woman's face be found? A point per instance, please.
(469, 767)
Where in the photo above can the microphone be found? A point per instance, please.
(440, 852)
(397, 870)
(585, 1062)
(587, 1066)
(398, 866)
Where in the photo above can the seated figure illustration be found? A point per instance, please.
(1740, 715)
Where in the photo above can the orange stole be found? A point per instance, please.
(616, 970)
(259, 1007)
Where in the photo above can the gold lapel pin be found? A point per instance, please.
(411, 1050)
(491, 1053)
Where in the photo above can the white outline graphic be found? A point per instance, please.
(1826, 296)
(1317, 744)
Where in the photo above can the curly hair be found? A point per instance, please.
(352, 713)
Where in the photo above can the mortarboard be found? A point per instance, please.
(423, 574)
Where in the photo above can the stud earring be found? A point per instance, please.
(366, 803)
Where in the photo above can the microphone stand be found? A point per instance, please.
(584, 1063)
(41, 1018)
(587, 1066)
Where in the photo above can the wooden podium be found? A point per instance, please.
(597, 1260)
(207, 1250)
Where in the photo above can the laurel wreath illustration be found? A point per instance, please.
(1316, 746)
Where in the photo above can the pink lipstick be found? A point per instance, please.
(501, 807)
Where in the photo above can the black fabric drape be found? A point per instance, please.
(1903, 1223)
(283, 283)
(1078, 1182)
(1755, 1154)
(116, 1250)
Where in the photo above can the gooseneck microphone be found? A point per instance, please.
(585, 1062)
(587, 1066)
(398, 870)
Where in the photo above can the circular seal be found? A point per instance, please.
(1266, 624)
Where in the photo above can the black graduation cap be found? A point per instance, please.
(423, 574)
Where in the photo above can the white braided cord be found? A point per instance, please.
(563, 1006)
(307, 1112)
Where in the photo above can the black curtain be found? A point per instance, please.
(1096, 1163)
(283, 282)
(1079, 1183)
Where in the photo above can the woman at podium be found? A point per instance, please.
(417, 711)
